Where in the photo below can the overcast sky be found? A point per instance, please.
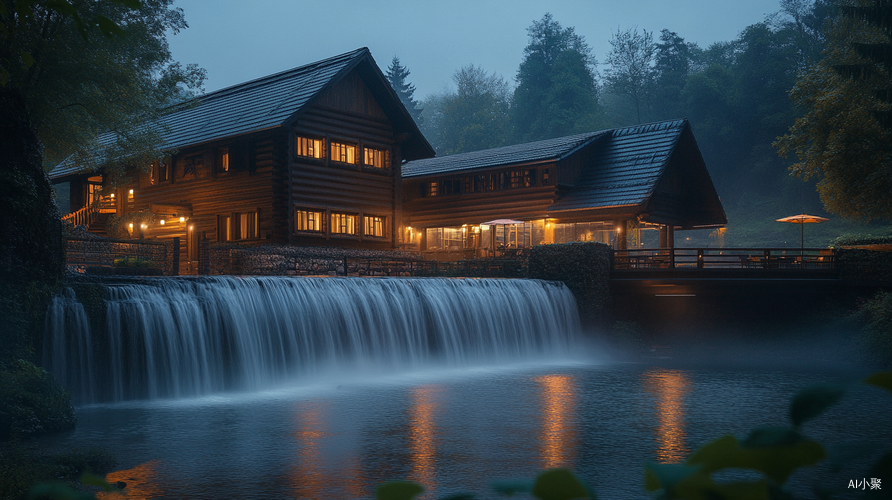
(237, 41)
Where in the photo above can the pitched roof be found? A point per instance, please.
(625, 167)
(531, 152)
(252, 106)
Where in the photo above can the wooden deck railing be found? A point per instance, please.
(82, 217)
(725, 258)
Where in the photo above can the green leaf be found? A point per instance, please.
(460, 496)
(398, 490)
(57, 491)
(883, 380)
(767, 437)
(812, 401)
(510, 487)
(131, 4)
(108, 27)
(749, 490)
(28, 60)
(559, 484)
(93, 480)
(777, 461)
(666, 476)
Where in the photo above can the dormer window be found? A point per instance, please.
(342, 152)
(378, 158)
(310, 148)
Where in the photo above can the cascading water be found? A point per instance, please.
(186, 337)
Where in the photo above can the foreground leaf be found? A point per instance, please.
(812, 401)
(883, 380)
(560, 484)
(398, 490)
(510, 487)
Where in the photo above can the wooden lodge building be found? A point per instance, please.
(326, 155)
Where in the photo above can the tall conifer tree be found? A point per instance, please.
(396, 75)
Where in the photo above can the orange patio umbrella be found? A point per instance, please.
(802, 219)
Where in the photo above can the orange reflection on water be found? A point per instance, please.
(422, 435)
(142, 482)
(310, 477)
(558, 437)
(670, 387)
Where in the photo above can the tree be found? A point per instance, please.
(396, 75)
(838, 141)
(556, 92)
(473, 117)
(674, 61)
(77, 84)
(631, 72)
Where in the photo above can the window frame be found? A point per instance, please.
(320, 221)
(335, 227)
(343, 147)
(230, 226)
(384, 154)
(377, 221)
(308, 139)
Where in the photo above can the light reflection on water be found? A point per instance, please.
(422, 434)
(670, 388)
(452, 433)
(558, 437)
(141, 482)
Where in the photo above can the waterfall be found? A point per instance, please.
(171, 338)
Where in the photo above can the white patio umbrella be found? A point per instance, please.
(802, 219)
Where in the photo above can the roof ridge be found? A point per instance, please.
(267, 79)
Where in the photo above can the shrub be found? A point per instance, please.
(877, 331)
(21, 467)
(584, 268)
(31, 402)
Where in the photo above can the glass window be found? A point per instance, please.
(310, 148)
(344, 153)
(223, 160)
(308, 220)
(343, 223)
(238, 226)
(377, 158)
(373, 226)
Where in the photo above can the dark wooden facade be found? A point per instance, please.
(251, 188)
(604, 186)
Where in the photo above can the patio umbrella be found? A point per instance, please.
(802, 219)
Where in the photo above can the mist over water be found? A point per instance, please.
(175, 338)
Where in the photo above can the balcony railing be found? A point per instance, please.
(83, 217)
(725, 258)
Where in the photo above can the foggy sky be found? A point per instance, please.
(237, 41)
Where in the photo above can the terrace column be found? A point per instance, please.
(620, 232)
(667, 236)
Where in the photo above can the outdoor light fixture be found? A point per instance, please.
(190, 227)
(142, 226)
(161, 222)
(113, 195)
(131, 191)
(130, 227)
(182, 219)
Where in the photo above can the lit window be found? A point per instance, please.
(377, 158)
(432, 189)
(373, 226)
(344, 153)
(516, 178)
(308, 220)
(239, 226)
(310, 148)
(163, 171)
(223, 160)
(130, 195)
(343, 223)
